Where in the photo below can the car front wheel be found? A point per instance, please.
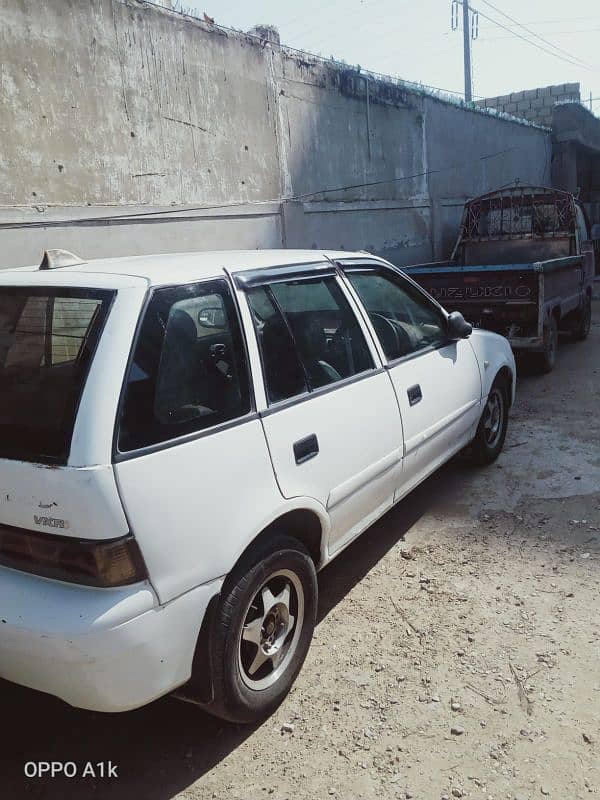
(493, 424)
(263, 629)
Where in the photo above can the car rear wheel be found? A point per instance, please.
(491, 431)
(583, 322)
(547, 358)
(263, 629)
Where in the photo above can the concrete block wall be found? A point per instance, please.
(130, 129)
(534, 105)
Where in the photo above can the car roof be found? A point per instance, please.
(173, 268)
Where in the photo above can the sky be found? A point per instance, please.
(560, 42)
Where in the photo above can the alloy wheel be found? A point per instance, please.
(493, 418)
(271, 630)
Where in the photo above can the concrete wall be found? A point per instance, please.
(535, 105)
(197, 138)
(470, 154)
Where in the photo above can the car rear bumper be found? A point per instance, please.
(98, 649)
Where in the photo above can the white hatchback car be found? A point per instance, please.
(186, 439)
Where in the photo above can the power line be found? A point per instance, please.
(555, 33)
(560, 19)
(535, 44)
(532, 33)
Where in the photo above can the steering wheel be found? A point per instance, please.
(387, 334)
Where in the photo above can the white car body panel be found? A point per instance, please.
(359, 460)
(493, 353)
(450, 406)
(179, 504)
(100, 649)
(196, 503)
(83, 503)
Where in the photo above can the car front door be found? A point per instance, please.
(437, 381)
(331, 418)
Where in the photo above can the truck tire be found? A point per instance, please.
(491, 431)
(547, 358)
(583, 321)
(263, 630)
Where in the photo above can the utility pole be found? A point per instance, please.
(467, 47)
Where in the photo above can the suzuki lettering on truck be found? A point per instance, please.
(179, 458)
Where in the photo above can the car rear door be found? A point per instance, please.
(190, 460)
(437, 381)
(330, 417)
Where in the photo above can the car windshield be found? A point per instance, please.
(47, 339)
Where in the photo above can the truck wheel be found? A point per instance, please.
(583, 323)
(263, 629)
(547, 358)
(491, 431)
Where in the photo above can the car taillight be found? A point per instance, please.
(112, 562)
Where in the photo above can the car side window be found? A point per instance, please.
(283, 372)
(404, 320)
(188, 370)
(308, 335)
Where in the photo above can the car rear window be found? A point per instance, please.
(47, 340)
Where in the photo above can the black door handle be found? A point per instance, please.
(415, 395)
(305, 449)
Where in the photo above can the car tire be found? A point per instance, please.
(491, 431)
(547, 358)
(263, 629)
(583, 322)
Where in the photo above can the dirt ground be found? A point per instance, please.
(456, 655)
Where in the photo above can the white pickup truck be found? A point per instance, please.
(187, 439)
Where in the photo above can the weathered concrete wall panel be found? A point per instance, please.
(114, 106)
(399, 234)
(111, 103)
(339, 133)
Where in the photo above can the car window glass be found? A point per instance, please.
(328, 338)
(71, 320)
(47, 340)
(404, 320)
(284, 375)
(189, 368)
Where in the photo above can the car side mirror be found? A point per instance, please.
(458, 327)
